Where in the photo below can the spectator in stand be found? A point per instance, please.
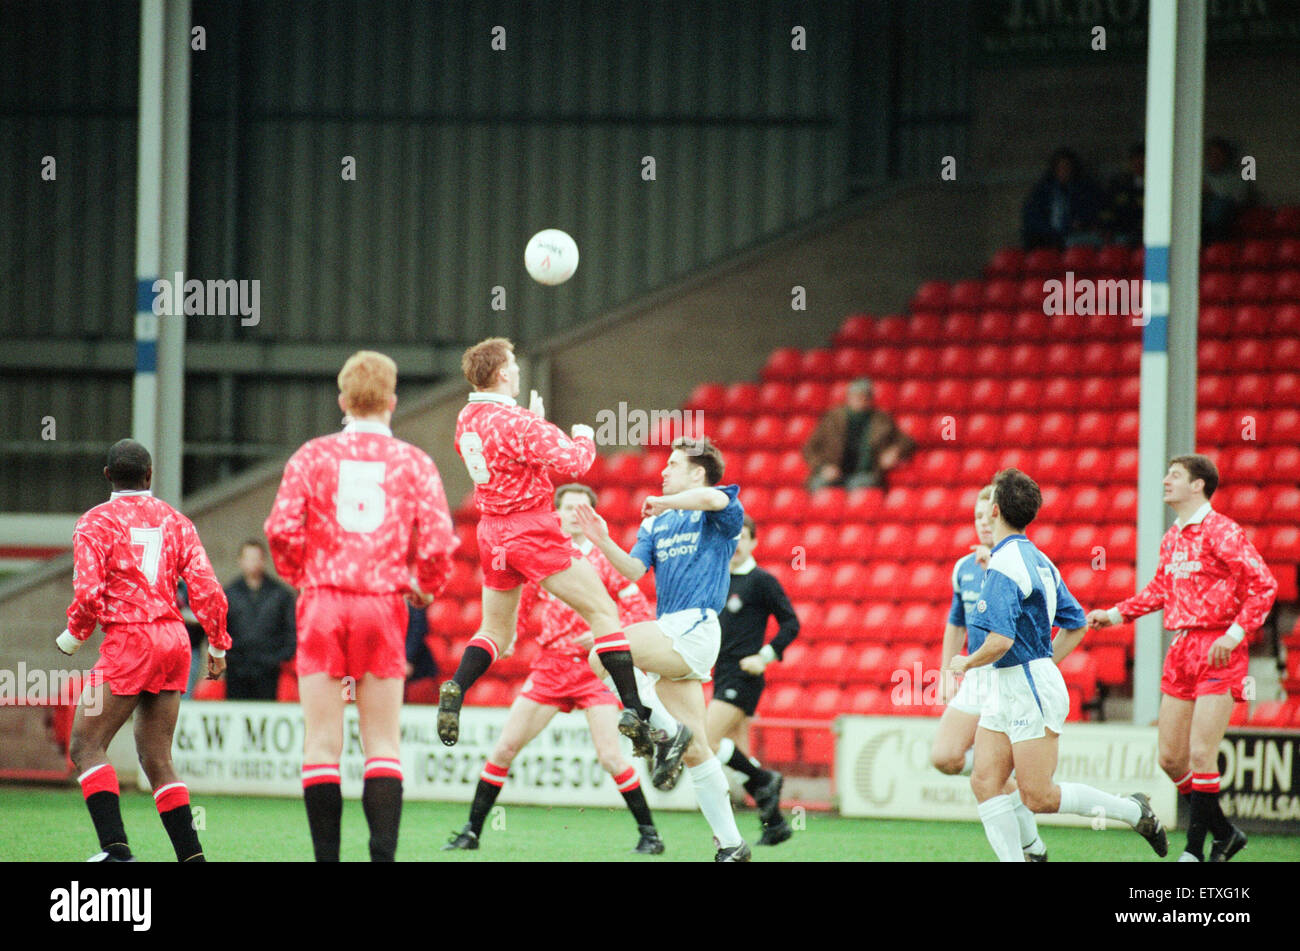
(421, 667)
(262, 619)
(1121, 216)
(854, 445)
(1062, 209)
(1224, 191)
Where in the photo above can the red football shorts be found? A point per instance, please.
(1188, 674)
(559, 680)
(525, 546)
(349, 634)
(143, 658)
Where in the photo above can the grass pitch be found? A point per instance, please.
(50, 824)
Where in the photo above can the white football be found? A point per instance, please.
(551, 256)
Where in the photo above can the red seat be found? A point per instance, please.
(932, 295)
(791, 470)
(826, 505)
(1216, 322)
(914, 395)
(1001, 294)
(757, 501)
(1079, 670)
(1006, 262)
(825, 702)
(1094, 429)
(855, 331)
(782, 364)
(1113, 260)
(1245, 503)
(959, 326)
(867, 701)
(816, 364)
(789, 504)
(1083, 583)
(1221, 256)
(777, 541)
(926, 327)
(964, 295)
(849, 581)
(1274, 713)
(1255, 287)
(1120, 582)
(732, 434)
(885, 581)
(1060, 393)
(1254, 222)
(986, 395)
(740, 398)
(1214, 391)
(829, 663)
(1217, 288)
(1085, 501)
(1080, 259)
(862, 505)
(1123, 505)
(842, 621)
(1284, 506)
(1043, 262)
(811, 397)
(1286, 254)
(774, 397)
(1056, 429)
(851, 362)
(707, 397)
(1112, 664)
(794, 665)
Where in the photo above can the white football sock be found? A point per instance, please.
(726, 748)
(1080, 800)
(998, 816)
(660, 718)
(970, 762)
(715, 801)
(1029, 840)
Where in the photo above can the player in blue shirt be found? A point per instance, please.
(951, 751)
(688, 536)
(1020, 723)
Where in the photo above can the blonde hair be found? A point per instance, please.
(368, 382)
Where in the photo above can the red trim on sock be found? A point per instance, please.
(494, 774)
(381, 766)
(487, 644)
(1205, 782)
(98, 779)
(614, 641)
(1185, 784)
(627, 780)
(171, 796)
(317, 773)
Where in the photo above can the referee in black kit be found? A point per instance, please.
(738, 677)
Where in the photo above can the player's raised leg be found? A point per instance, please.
(323, 699)
(379, 707)
(1210, 717)
(495, 633)
(602, 720)
(99, 716)
(526, 719)
(155, 726)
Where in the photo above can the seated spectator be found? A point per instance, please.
(262, 625)
(1061, 211)
(856, 444)
(1121, 215)
(421, 667)
(1223, 191)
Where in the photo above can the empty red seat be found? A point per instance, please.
(964, 295)
(1060, 393)
(823, 702)
(1113, 260)
(1271, 713)
(1217, 288)
(1001, 294)
(932, 295)
(884, 581)
(849, 581)
(776, 542)
(1221, 256)
(851, 362)
(855, 331)
(782, 364)
(1123, 505)
(867, 701)
(1284, 505)
(826, 505)
(1245, 503)
(707, 397)
(1255, 287)
(1043, 262)
(1254, 222)
(861, 505)
(1006, 262)
(1112, 664)
(1286, 254)
(1215, 321)
(774, 397)
(926, 327)
(828, 663)
(1079, 669)
(1214, 391)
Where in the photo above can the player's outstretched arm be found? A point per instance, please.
(702, 499)
(594, 527)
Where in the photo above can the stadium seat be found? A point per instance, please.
(828, 663)
(774, 397)
(842, 620)
(964, 295)
(1286, 254)
(1254, 287)
(850, 581)
(793, 666)
(1249, 320)
(1284, 506)
(1006, 263)
(1271, 713)
(1113, 261)
(811, 397)
(862, 505)
(777, 541)
(1120, 582)
(758, 503)
(810, 583)
(816, 364)
(1215, 322)
(1081, 259)
(931, 295)
(926, 327)
(1094, 429)
(1043, 262)
(797, 430)
(851, 362)
(856, 331)
(1079, 670)
(1001, 294)
(1060, 393)
(782, 364)
(1221, 256)
(866, 701)
(1214, 390)
(708, 397)
(1112, 664)
(959, 327)
(789, 504)
(732, 434)
(739, 398)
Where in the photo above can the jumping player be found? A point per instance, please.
(508, 450)
(952, 750)
(688, 537)
(1215, 589)
(1021, 720)
(360, 520)
(561, 679)
(128, 554)
(754, 596)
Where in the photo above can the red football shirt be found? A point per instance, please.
(562, 626)
(361, 511)
(508, 450)
(1209, 575)
(129, 554)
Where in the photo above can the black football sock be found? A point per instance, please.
(324, 803)
(1219, 825)
(106, 813)
(485, 795)
(621, 671)
(743, 764)
(179, 823)
(381, 800)
(473, 665)
(1196, 827)
(639, 808)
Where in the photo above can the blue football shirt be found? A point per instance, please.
(690, 552)
(1022, 597)
(967, 579)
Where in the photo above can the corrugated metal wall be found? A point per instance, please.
(461, 153)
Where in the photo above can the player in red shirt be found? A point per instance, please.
(129, 553)
(1215, 589)
(560, 679)
(508, 451)
(360, 520)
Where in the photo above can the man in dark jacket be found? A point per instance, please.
(854, 445)
(1062, 209)
(261, 621)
